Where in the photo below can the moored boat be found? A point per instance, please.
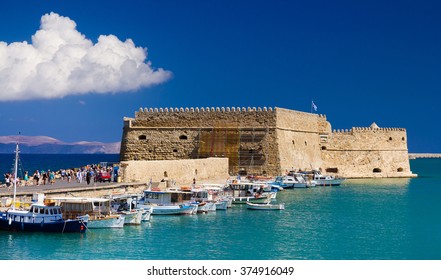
(98, 209)
(243, 192)
(126, 205)
(168, 202)
(322, 179)
(265, 206)
(40, 217)
(291, 181)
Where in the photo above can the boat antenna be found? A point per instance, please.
(15, 173)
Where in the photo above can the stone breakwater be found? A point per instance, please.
(423, 155)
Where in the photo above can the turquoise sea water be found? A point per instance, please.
(381, 219)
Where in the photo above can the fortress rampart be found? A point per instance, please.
(264, 141)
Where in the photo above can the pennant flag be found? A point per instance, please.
(314, 106)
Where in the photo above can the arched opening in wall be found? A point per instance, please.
(324, 148)
(402, 138)
(175, 150)
(332, 170)
(390, 138)
(376, 170)
(306, 143)
(400, 169)
(293, 142)
(142, 137)
(183, 137)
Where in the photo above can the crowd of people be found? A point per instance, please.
(86, 174)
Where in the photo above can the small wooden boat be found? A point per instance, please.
(265, 206)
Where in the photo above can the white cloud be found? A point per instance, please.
(61, 61)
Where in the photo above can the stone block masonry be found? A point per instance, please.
(264, 141)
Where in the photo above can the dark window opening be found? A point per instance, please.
(175, 150)
(332, 170)
(142, 137)
(390, 138)
(400, 169)
(376, 170)
(243, 172)
(183, 137)
(323, 148)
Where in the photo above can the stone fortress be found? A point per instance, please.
(218, 142)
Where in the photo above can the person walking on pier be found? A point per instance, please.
(88, 175)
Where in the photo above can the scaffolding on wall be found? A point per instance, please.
(244, 147)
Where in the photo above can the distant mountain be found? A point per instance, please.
(49, 145)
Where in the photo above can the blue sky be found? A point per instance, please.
(360, 61)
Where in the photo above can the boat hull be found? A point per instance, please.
(174, 209)
(222, 205)
(264, 197)
(265, 206)
(132, 217)
(145, 215)
(56, 226)
(116, 221)
(332, 182)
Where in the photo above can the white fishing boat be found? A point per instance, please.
(243, 192)
(126, 206)
(320, 179)
(204, 198)
(222, 204)
(98, 209)
(216, 193)
(291, 181)
(265, 206)
(168, 202)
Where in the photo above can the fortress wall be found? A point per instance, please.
(361, 164)
(298, 150)
(369, 139)
(180, 171)
(163, 144)
(298, 138)
(245, 135)
(367, 152)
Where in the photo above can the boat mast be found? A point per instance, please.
(15, 176)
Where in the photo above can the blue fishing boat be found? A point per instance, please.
(40, 217)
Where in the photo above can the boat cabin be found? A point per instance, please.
(37, 213)
(166, 197)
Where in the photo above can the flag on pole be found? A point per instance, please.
(314, 106)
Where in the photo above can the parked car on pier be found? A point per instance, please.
(103, 176)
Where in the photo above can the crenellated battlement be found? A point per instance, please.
(143, 111)
(204, 109)
(367, 129)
